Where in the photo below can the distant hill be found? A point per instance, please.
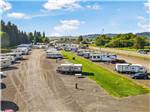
(146, 34)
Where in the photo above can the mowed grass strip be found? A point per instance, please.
(113, 83)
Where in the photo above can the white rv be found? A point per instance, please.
(5, 63)
(103, 57)
(69, 68)
(130, 68)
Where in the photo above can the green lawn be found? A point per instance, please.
(113, 83)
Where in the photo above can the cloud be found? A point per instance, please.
(59, 4)
(93, 7)
(143, 24)
(147, 6)
(18, 15)
(68, 25)
(67, 4)
(4, 5)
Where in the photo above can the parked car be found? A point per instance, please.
(140, 76)
(143, 51)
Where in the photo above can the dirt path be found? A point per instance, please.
(35, 87)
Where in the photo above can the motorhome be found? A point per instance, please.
(69, 68)
(130, 68)
(103, 57)
(5, 63)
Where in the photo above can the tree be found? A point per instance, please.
(80, 38)
(139, 42)
(5, 42)
(102, 40)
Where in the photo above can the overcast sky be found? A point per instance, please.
(76, 17)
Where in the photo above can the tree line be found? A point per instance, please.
(123, 40)
(12, 36)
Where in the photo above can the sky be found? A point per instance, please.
(77, 17)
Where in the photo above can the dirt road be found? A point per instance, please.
(35, 87)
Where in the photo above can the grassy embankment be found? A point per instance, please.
(113, 83)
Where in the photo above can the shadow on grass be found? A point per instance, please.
(8, 105)
(87, 74)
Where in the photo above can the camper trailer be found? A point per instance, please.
(17, 55)
(130, 68)
(54, 55)
(86, 54)
(5, 63)
(24, 50)
(80, 52)
(103, 57)
(70, 68)
(5, 56)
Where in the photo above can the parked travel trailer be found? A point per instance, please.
(130, 68)
(24, 50)
(16, 55)
(5, 56)
(54, 55)
(5, 63)
(67, 48)
(28, 46)
(86, 54)
(74, 49)
(103, 57)
(80, 52)
(69, 68)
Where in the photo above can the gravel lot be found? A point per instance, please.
(34, 86)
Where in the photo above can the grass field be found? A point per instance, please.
(113, 83)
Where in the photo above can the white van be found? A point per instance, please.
(130, 68)
(69, 68)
